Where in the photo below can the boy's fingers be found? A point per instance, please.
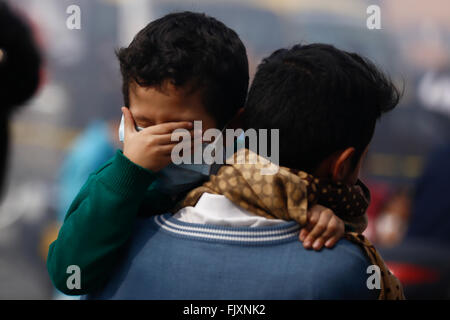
(186, 139)
(331, 242)
(318, 244)
(168, 127)
(129, 125)
(163, 139)
(303, 234)
(167, 148)
(167, 138)
(319, 228)
(186, 136)
(313, 216)
(335, 228)
(335, 231)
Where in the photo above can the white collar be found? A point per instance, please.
(217, 210)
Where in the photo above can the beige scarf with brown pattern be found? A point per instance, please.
(287, 194)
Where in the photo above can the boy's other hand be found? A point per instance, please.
(150, 148)
(322, 227)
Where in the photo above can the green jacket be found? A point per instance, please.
(100, 221)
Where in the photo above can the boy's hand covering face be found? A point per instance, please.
(151, 147)
(323, 227)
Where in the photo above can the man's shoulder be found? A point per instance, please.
(344, 251)
(338, 273)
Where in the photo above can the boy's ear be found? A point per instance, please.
(237, 121)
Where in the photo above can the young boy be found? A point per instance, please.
(179, 68)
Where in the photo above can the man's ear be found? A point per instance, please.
(342, 164)
(237, 121)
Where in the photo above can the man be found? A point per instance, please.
(233, 240)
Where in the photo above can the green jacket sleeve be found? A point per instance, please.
(97, 225)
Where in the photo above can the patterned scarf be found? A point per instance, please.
(287, 194)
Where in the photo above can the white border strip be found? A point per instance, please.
(222, 237)
(231, 232)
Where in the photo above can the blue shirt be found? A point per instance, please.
(89, 151)
(171, 259)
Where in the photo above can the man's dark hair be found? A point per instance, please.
(322, 100)
(190, 49)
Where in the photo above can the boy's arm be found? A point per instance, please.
(101, 218)
(97, 225)
(324, 227)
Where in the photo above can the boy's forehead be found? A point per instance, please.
(157, 104)
(166, 87)
(168, 96)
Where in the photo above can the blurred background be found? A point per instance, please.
(70, 127)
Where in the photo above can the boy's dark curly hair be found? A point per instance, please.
(190, 48)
